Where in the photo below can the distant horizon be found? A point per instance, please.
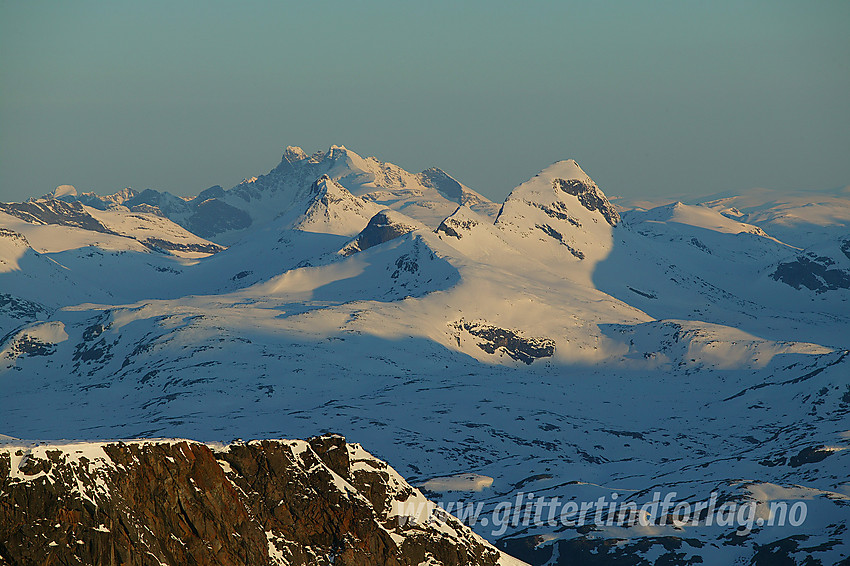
(628, 200)
(653, 100)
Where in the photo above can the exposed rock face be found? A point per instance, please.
(14, 236)
(814, 273)
(18, 308)
(590, 197)
(384, 226)
(147, 209)
(322, 501)
(564, 208)
(213, 216)
(161, 244)
(50, 211)
(554, 234)
(456, 225)
(492, 339)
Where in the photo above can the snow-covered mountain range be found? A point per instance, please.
(558, 343)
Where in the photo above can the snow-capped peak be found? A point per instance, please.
(293, 153)
(332, 209)
(562, 206)
(345, 162)
(567, 177)
(566, 169)
(65, 190)
(340, 152)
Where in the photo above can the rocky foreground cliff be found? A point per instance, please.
(164, 502)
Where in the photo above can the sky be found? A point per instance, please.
(651, 98)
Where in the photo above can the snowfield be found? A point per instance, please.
(556, 344)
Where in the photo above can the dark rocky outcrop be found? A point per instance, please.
(8, 234)
(456, 225)
(158, 244)
(322, 501)
(815, 274)
(492, 339)
(16, 307)
(809, 455)
(590, 197)
(382, 227)
(552, 233)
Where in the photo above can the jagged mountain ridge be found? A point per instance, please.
(276, 502)
(150, 231)
(225, 215)
(411, 333)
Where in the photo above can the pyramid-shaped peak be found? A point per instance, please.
(342, 161)
(566, 169)
(325, 184)
(325, 187)
(331, 209)
(338, 152)
(568, 177)
(293, 153)
(548, 192)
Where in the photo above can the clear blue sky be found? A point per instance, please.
(651, 98)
